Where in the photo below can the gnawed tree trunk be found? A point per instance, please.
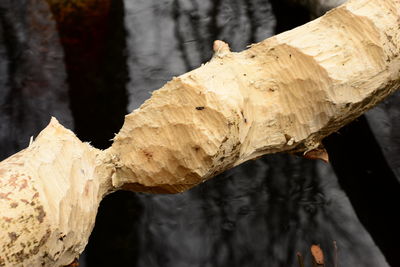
(282, 95)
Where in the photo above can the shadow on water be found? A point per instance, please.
(93, 37)
(369, 182)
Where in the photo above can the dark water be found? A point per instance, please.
(32, 73)
(258, 214)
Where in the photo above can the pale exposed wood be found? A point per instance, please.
(49, 195)
(282, 95)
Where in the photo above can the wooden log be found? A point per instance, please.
(49, 195)
(284, 94)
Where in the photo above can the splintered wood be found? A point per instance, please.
(284, 94)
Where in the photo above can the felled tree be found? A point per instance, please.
(284, 94)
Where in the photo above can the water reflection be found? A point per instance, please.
(258, 214)
(168, 38)
(32, 74)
